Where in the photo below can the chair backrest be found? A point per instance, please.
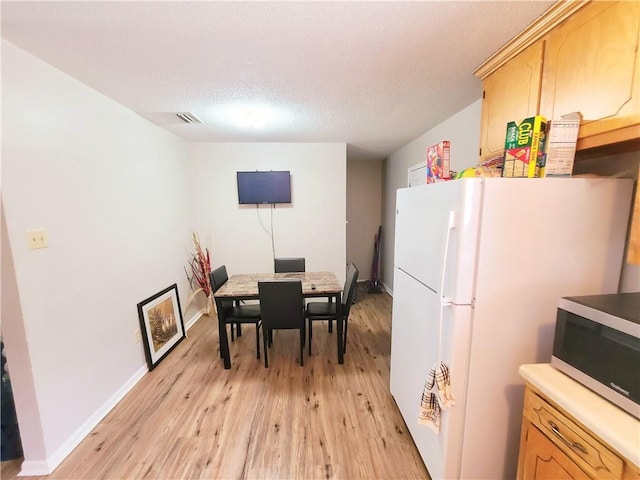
(349, 289)
(218, 278)
(285, 265)
(281, 304)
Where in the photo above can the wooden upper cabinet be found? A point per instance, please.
(579, 56)
(510, 93)
(592, 66)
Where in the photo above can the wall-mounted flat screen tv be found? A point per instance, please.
(264, 187)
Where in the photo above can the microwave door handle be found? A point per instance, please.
(446, 301)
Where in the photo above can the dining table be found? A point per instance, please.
(245, 287)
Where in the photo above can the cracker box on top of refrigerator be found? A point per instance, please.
(562, 138)
(438, 159)
(524, 148)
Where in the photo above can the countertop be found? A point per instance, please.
(617, 428)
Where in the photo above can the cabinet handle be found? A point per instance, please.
(574, 445)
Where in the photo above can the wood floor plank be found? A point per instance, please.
(191, 419)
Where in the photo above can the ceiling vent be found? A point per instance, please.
(188, 117)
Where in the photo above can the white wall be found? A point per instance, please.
(119, 198)
(463, 131)
(112, 192)
(364, 212)
(620, 165)
(312, 226)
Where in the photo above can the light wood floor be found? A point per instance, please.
(189, 418)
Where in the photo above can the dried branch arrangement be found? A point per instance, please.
(199, 268)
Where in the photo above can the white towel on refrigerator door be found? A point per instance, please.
(436, 397)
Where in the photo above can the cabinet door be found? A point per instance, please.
(510, 93)
(633, 252)
(542, 460)
(591, 66)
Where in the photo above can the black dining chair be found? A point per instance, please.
(327, 310)
(288, 265)
(235, 314)
(282, 307)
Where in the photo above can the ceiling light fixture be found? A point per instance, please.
(259, 117)
(253, 119)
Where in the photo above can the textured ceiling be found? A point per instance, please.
(374, 75)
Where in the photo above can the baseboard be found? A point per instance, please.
(380, 283)
(35, 468)
(46, 467)
(193, 320)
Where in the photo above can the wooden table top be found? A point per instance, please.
(246, 285)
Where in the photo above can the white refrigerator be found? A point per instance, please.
(479, 267)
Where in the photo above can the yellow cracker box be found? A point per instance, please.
(524, 148)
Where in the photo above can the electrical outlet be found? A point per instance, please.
(136, 336)
(37, 238)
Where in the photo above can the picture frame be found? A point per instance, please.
(161, 324)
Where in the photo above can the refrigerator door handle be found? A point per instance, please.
(446, 301)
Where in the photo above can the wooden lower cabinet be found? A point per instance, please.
(554, 446)
(541, 460)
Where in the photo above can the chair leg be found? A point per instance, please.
(270, 338)
(265, 334)
(302, 346)
(238, 329)
(310, 334)
(258, 339)
(233, 334)
(344, 343)
(330, 320)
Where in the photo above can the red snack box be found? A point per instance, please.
(438, 159)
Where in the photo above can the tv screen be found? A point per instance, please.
(264, 187)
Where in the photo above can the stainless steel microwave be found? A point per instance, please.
(597, 343)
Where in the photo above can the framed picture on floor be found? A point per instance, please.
(161, 324)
